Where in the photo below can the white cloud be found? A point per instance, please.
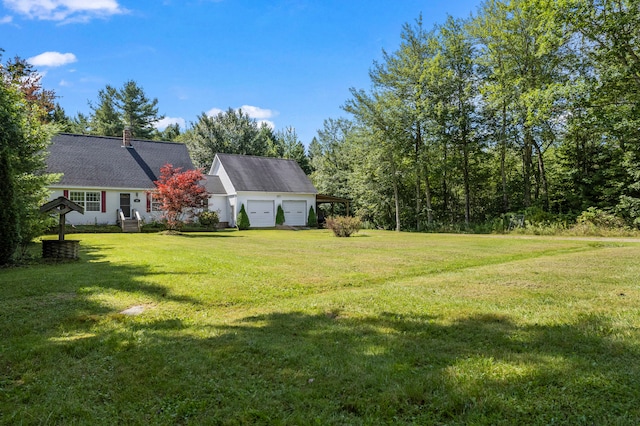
(52, 59)
(259, 114)
(64, 83)
(213, 112)
(162, 124)
(6, 19)
(269, 123)
(65, 10)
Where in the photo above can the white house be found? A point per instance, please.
(112, 179)
(261, 184)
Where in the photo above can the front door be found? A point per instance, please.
(125, 205)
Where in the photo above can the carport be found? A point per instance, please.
(330, 199)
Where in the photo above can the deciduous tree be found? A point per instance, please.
(386, 140)
(534, 107)
(609, 41)
(331, 158)
(22, 75)
(171, 133)
(400, 75)
(229, 132)
(179, 192)
(526, 51)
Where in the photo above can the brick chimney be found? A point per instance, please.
(126, 137)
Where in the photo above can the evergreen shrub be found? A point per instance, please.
(312, 219)
(243, 219)
(279, 216)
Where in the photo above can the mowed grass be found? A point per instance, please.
(283, 327)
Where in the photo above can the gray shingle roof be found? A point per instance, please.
(249, 173)
(213, 184)
(102, 162)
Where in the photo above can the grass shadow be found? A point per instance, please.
(67, 356)
(58, 292)
(336, 368)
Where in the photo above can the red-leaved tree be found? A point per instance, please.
(179, 192)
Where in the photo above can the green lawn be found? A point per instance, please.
(284, 327)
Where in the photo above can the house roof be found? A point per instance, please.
(265, 174)
(213, 184)
(102, 162)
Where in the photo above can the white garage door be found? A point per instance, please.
(295, 212)
(260, 213)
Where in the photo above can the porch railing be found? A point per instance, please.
(129, 225)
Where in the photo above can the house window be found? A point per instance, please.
(89, 200)
(156, 204)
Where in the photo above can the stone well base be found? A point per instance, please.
(56, 249)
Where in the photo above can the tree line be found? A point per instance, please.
(530, 106)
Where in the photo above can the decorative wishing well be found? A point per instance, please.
(61, 248)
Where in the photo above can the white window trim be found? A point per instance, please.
(82, 198)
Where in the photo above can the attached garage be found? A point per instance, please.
(261, 213)
(295, 212)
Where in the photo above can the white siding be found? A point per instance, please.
(112, 205)
(218, 170)
(220, 204)
(229, 205)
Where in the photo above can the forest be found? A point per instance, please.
(530, 107)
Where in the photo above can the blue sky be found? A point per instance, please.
(288, 62)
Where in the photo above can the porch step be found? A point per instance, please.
(130, 225)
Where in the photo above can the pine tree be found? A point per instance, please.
(136, 110)
(289, 146)
(105, 119)
(127, 106)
